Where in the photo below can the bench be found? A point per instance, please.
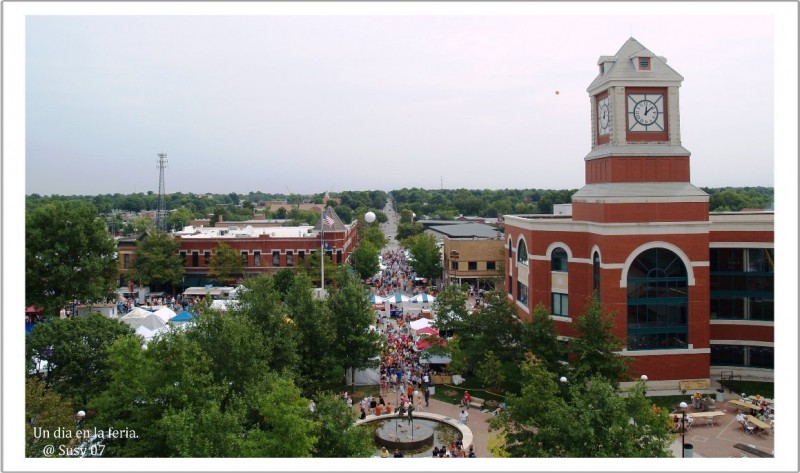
(693, 385)
(753, 451)
(476, 402)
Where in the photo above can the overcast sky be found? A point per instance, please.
(308, 104)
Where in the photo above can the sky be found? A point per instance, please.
(331, 102)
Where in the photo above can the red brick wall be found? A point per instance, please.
(637, 169)
(640, 212)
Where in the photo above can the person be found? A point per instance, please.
(389, 407)
(466, 400)
(435, 451)
(372, 405)
(384, 452)
(740, 417)
(427, 393)
(696, 400)
(397, 453)
(471, 452)
(363, 413)
(500, 408)
(378, 410)
(463, 417)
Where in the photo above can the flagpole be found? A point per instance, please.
(322, 252)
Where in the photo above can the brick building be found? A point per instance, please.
(692, 290)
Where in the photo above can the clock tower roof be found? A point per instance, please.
(633, 65)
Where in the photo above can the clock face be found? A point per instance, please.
(602, 116)
(646, 112)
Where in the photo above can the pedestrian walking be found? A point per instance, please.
(463, 417)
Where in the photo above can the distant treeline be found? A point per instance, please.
(439, 204)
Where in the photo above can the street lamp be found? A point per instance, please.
(563, 380)
(683, 429)
(644, 380)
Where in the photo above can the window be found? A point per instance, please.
(195, 259)
(491, 265)
(596, 273)
(743, 355)
(454, 265)
(257, 258)
(522, 252)
(276, 258)
(742, 284)
(510, 284)
(472, 266)
(289, 258)
(301, 255)
(560, 305)
(510, 247)
(206, 258)
(244, 259)
(126, 261)
(522, 293)
(338, 256)
(658, 301)
(558, 260)
(644, 63)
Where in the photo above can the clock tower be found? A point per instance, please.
(637, 167)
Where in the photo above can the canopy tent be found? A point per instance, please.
(148, 334)
(426, 342)
(419, 324)
(397, 299)
(423, 299)
(165, 313)
(150, 321)
(375, 299)
(184, 316)
(427, 331)
(136, 312)
(222, 304)
(32, 309)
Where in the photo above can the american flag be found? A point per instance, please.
(327, 220)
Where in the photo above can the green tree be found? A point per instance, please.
(317, 368)
(426, 259)
(68, 255)
(540, 337)
(45, 413)
(179, 218)
(352, 314)
(595, 345)
(495, 328)
(157, 260)
(139, 225)
(371, 233)
(408, 230)
(365, 259)
(406, 216)
(336, 435)
(490, 371)
(225, 264)
(75, 352)
(592, 420)
(450, 308)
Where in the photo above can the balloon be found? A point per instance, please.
(369, 217)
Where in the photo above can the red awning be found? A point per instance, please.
(33, 310)
(427, 331)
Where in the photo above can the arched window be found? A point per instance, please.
(658, 301)
(558, 260)
(522, 252)
(510, 247)
(596, 272)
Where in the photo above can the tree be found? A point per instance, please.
(592, 420)
(490, 371)
(225, 264)
(352, 316)
(68, 255)
(595, 346)
(141, 224)
(336, 435)
(406, 216)
(45, 414)
(179, 218)
(425, 255)
(450, 308)
(365, 259)
(494, 327)
(157, 260)
(540, 337)
(75, 352)
(408, 230)
(371, 233)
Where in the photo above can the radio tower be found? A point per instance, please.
(161, 211)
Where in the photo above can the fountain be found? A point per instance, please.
(402, 434)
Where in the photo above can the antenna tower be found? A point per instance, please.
(161, 211)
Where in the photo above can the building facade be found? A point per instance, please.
(264, 249)
(692, 290)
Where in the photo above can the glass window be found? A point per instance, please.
(658, 301)
(126, 261)
(472, 265)
(244, 259)
(301, 255)
(596, 273)
(510, 247)
(257, 258)
(276, 258)
(491, 265)
(742, 283)
(195, 259)
(522, 293)
(558, 260)
(454, 265)
(289, 258)
(560, 304)
(522, 252)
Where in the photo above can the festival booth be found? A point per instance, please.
(165, 314)
(139, 317)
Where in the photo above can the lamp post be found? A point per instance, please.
(683, 429)
(644, 380)
(563, 381)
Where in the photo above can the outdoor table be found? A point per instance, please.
(744, 405)
(709, 416)
(758, 423)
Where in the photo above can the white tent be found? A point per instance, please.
(423, 299)
(222, 304)
(150, 321)
(397, 298)
(165, 313)
(136, 312)
(420, 324)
